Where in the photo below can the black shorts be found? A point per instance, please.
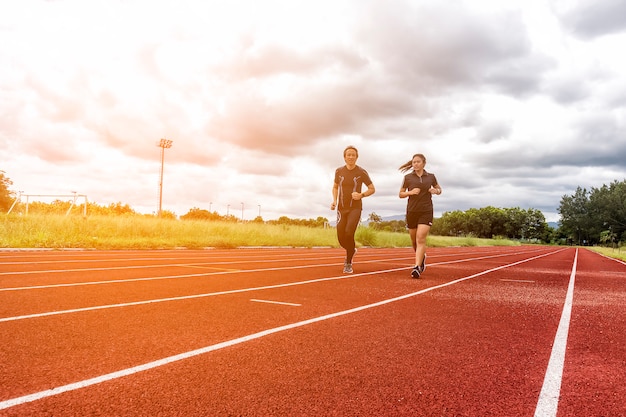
(413, 218)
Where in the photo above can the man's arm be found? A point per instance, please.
(335, 194)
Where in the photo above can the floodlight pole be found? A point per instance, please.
(164, 143)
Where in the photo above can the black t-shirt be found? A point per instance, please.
(424, 200)
(349, 181)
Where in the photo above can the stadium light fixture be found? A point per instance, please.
(163, 144)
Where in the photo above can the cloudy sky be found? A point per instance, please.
(514, 103)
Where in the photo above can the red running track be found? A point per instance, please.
(503, 331)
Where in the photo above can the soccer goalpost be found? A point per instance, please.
(74, 197)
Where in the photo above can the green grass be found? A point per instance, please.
(143, 232)
(617, 253)
(447, 241)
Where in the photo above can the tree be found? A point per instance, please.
(200, 214)
(515, 223)
(497, 218)
(534, 226)
(574, 211)
(6, 196)
(607, 204)
(479, 223)
(451, 223)
(118, 209)
(374, 218)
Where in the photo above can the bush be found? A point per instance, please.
(366, 236)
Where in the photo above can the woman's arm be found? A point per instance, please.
(404, 193)
(436, 189)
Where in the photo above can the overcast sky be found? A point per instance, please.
(514, 103)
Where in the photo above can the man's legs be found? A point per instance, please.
(347, 223)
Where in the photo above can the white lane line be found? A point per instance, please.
(226, 292)
(549, 397)
(152, 266)
(275, 302)
(186, 355)
(203, 274)
(191, 259)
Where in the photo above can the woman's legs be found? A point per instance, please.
(413, 234)
(418, 239)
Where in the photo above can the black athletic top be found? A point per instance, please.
(424, 200)
(350, 181)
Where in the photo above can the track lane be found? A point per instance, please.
(595, 362)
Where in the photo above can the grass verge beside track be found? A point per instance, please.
(617, 253)
(132, 232)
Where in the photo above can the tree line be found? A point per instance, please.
(487, 222)
(202, 214)
(588, 217)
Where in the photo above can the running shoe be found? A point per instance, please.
(422, 267)
(347, 268)
(415, 272)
